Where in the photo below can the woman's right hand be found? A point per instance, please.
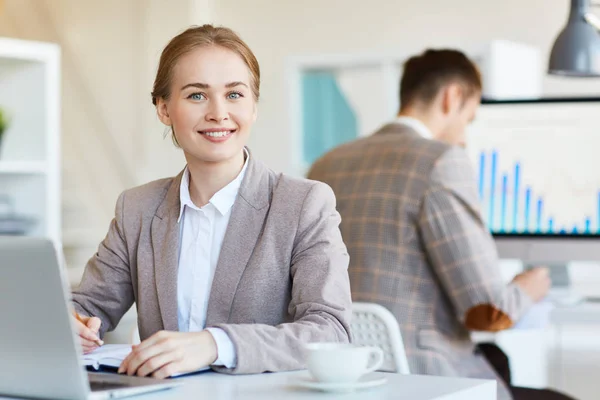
(535, 282)
(87, 329)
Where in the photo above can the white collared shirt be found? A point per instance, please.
(202, 230)
(416, 125)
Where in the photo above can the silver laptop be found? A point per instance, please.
(40, 356)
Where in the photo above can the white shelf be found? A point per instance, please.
(13, 50)
(30, 149)
(23, 167)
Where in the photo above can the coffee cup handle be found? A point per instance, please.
(379, 359)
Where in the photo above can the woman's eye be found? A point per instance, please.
(196, 96)
(234, 95)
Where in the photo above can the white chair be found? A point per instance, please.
(374, 325)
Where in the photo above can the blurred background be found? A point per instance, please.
(110, 136)
(76, 77)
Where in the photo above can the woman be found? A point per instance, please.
(230, 264)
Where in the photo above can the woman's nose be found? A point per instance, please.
(217, 111)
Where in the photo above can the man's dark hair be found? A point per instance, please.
(425, 74)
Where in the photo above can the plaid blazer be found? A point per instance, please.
(412, 224)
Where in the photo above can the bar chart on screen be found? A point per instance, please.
(537, 168)
(514, 206)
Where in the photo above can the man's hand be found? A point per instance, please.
(87, 329)
(166, 353)
(535, 282)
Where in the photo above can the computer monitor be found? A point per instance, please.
(538, 170)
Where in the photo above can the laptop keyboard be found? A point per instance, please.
(98, 386)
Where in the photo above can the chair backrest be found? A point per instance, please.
(374, 325)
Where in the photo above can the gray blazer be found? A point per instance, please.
(281, 279)
(412, 223)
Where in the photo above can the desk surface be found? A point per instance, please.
(586, 313)
(580, 314)
(215, 386)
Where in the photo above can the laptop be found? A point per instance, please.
(40, 356)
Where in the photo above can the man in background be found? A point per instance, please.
(412, 223)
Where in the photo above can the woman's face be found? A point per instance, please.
(211, 108)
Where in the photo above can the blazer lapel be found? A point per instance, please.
(245, 226)
(165, 246)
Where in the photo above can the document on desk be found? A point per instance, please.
(537, 317)
(110, 356)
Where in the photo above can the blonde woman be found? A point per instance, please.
(230, 265)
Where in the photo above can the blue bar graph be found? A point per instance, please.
(522, 208)
(481, 175)
(493, 184)
(538, 220)
(515, 196)
(503, 204)
(527, 206)
(588, 225)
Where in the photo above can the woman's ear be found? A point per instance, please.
(163, 112)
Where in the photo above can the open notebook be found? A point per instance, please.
(110, 356)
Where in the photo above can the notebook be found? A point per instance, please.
(110, 356)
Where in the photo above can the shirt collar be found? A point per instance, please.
(222, 200)
(416, 125)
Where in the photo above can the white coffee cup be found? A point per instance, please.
(341, 363)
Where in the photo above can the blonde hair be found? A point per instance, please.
(199, 36)
(192, 38)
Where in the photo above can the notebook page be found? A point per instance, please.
(110, 355)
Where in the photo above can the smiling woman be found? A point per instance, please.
(230, 264)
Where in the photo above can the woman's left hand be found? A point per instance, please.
(166, 353)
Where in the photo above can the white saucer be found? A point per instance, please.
(363, 383)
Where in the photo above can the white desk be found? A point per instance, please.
(280, 386)
(587, 313)
(552, 336)
(580, 314)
